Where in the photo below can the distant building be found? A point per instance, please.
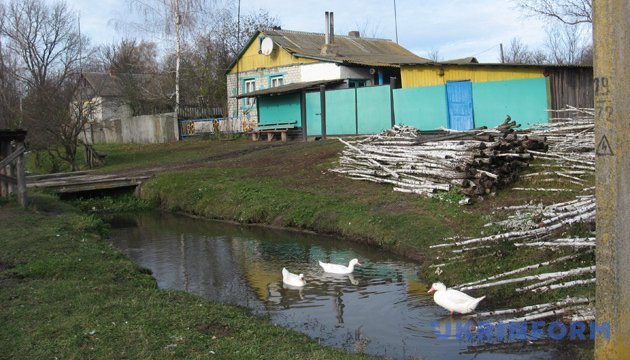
(126, 95)
(127, 108)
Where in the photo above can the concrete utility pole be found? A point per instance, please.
(611, 82)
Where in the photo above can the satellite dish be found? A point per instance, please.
(266, 47)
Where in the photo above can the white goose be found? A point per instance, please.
(292, 279)
(340, 269)
(453, 300)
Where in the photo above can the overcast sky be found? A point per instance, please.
(456, 28)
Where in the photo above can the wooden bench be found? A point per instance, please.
(270, 129)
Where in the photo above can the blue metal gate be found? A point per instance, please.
(459, 103)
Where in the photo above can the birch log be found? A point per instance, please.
(543, 276)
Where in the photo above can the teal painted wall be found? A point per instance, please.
(313, 116)
(284, 108)
(422, 107)
(374, 109)
(341, 115)
(524, 100)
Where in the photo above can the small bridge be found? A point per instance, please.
(80, 181)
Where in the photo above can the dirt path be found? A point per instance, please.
(230, 156)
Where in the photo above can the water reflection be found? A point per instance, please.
(382, 308)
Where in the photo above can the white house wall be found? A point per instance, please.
(355, 73)
(320, 71)
(115, 109)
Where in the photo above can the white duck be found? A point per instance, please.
(453, 300)
(292, 279)
(340, 269)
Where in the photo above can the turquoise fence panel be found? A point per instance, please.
(374, 109)
(421, 107)
(341, 114)
(524, 100)
(283, 108)
(313, 114)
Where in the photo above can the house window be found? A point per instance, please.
(250, 85)
(276, 81)
(356, 83)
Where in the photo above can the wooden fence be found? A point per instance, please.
(12, 169)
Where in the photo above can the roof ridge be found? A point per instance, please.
(322, 34)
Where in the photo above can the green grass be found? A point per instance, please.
(67, 294)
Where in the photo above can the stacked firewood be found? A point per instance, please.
(533, 223)
(570, 158)
(478, 161)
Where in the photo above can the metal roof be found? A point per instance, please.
(290, 88)
(462, 62)
(347, 49)
(104, 84)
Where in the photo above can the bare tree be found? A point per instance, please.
(45, 42)
(368, 28)
(130, 57)
(517, 52)
(587, 55)
(170, 17)
(10, 116)
(538, 57)
(564, 45)
(46, 39)
(206, 59)
(569, 21)
(434, 54)
(570, 12)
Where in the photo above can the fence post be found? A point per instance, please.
(12, 172)
(4, 152)
(303, 114)
(392, 85)
(322, 96)
(21, 177)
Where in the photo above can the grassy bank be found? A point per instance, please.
(289, 185)
(66, 293)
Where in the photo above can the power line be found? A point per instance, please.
(485, 51)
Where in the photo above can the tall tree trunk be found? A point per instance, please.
(178, 24)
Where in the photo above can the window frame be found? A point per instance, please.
(276, 79)
(246, 89)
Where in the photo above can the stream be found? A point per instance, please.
(382, 308)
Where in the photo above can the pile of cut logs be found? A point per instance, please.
(478, 161)
(570, 158)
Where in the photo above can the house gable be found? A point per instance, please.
(251, 59)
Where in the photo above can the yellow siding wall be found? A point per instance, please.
(415, 76)
(252, 60)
